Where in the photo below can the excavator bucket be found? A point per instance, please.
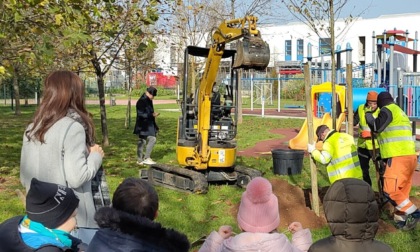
(252, 53)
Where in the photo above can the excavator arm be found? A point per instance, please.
(252, 53)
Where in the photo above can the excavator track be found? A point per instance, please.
(175, 177)
(186, 180)
(245, 175)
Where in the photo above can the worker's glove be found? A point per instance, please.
(369, 118)
(366, 134)
(311, 148)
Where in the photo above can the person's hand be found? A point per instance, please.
(366, 134)
(225, 231)
(97, 148)
(294, 227)
(311, 148)
(156, 114)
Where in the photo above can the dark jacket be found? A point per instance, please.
(121, 231)
(11, 241)
(145, 121)
(352, 214)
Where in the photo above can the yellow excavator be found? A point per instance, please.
(206, 133)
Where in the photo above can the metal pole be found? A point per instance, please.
(349, 82)
(391, 61)
(379, 63)
(278, 90)
(406, 45)
(400, 99)
(373, 48)
(252, 92)
(323, 70)
(384, 57)
(338, 64)
(416, 39)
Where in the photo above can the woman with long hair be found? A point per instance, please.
(59, 145)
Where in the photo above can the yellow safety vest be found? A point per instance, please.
(363, 126)
(397, 138)
(344, 159)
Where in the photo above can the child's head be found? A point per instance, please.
(351, 209)
(136, 196)
(50, 204)
(259, 209)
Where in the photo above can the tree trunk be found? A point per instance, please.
(333, 64)
(16, 91)
(104, 126)
(128, 112)
(309, 116)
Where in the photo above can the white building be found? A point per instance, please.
(289, 42)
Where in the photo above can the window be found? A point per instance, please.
(324, 46)
(288, 50)
(300, 49)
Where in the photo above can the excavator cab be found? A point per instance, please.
(252, 53)
(222, 127)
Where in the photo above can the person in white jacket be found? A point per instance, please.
(258, 218)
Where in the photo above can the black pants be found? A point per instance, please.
(365, 156)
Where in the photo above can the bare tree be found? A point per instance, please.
(321, 16)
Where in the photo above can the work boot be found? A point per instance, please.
(399, 219)
(411, 221)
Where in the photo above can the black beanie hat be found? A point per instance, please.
(152, 90)
(384, 98)
(50, 204)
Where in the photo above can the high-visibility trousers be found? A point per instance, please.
(397, 182)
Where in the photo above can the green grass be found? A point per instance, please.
(194, 215)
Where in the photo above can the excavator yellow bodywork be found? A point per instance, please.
(206, 132)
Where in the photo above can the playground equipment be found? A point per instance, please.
(359, 95)
(393, 54)
(321, 99)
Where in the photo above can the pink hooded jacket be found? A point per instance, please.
(261, 242)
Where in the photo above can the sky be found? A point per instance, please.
(376, 8)
(363, 8)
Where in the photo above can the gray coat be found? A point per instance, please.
(352, 214)
(45, 162)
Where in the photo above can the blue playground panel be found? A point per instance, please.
(359, 95)
(324, 104)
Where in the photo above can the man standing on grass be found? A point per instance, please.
(364, 141)
(339, 153)
(146, 127)
(398, 151)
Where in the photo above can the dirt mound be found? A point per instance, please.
(293, 206)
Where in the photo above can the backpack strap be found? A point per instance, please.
(63, 151)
